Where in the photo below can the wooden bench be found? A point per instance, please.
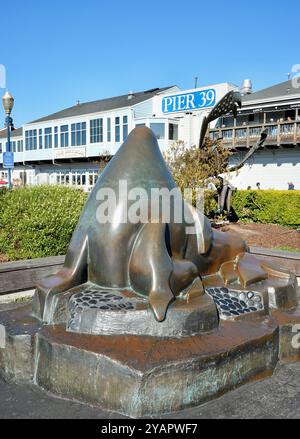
(24, 275)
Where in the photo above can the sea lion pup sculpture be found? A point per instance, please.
(159, 260)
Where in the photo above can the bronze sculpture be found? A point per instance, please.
(222, 316)
(155, 262)
(229, 103)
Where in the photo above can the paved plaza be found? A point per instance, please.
(274, 397)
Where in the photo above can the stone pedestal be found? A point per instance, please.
(143, 375)
(211, 343)
(140, 376)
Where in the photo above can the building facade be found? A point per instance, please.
(67, 147)
(277, 164)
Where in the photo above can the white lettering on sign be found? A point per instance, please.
(167, 103)
(69, 153)
(189, 101)
(181, 102)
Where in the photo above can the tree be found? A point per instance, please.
(192, 167)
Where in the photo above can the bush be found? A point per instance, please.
(270, 206)
(192, 167)
(38, 221)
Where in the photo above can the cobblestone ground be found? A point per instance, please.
(274, 397)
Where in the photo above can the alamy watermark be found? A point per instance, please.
(2, 76)
(296, 337)
(2, 336)
(296, 76)
(135, 205)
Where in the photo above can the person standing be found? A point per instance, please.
(291, 186)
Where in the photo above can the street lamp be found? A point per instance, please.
(8, 103)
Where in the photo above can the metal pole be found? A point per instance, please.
(8, 122)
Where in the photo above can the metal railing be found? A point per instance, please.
(281, 133)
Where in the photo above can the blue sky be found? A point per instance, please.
(56, 52)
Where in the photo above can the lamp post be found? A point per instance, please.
(8, 103)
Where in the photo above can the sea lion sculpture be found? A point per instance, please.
(157, 261)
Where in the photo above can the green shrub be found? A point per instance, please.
(271, 206)
(38, 221)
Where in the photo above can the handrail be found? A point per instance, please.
(288, 131)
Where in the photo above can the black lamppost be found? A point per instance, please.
(8, 103)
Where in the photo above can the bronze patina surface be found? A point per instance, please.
(138, 375)
(157, 262)
(146, 318)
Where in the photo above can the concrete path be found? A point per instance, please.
(274, 397)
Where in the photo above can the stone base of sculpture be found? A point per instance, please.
(145, 375)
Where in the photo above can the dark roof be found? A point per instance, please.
(14, 133)
(284, 89)
(104, 104)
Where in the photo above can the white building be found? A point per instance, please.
(276, 108)
(66, 147)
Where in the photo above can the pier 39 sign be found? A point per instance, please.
(189, 101)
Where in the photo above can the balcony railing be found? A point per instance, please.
(281, 133)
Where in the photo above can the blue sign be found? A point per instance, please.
(8, 160)
(189, 101)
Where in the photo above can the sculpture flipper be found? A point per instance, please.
(151, 268)
(73, 273)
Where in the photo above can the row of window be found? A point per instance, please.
(159, 130)
(34, 139)
(83, 179)
(77, 178)
(15, 146)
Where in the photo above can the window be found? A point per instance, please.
(48, 138)
(96, 129)
(125, 127)
(12, 146)
(227, 134)
(241, 133)
(40, 138)
(64, 136)
(30, 140)
(80, 178)
(60, 178)
(20, 145)
(173, 131)
(92, 177)
(78, 134)
(117, 129)
(159, 130)
(138, 125)
(55, 137)
(108, 129)
(74, 178)
(290, 115)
